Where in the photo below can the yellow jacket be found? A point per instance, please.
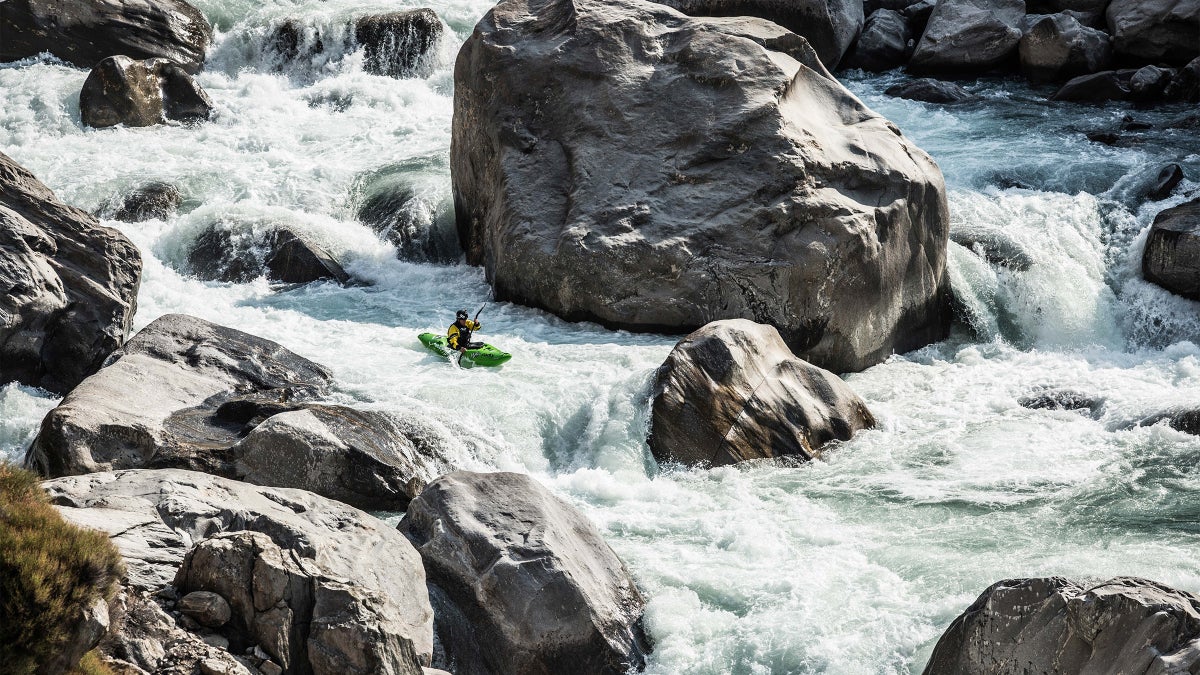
(454, 333)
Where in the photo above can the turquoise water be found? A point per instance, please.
(853, 564)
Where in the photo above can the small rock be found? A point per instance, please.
(120, 90)
(1150, 83)
(270, 668)
(208, 609)
(1165, 181)
(1109, 85)
(929, 90)
(156, 200)
(1061, 399)
(218, 641)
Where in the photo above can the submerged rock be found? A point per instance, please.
(1053, 625)
(535, 587)
(70, 286)
(884, 43)
(1155, 30)
(1171, 258)
(85, 32)
(969, 36)
(733, 391)
(716, 171)
(185, 393)
(994, 245)
(830, 26)
(409, 204)
(396, 44)
(120, 90)
(1057, 47)
(929, 90)
(373, 581)
(152, 201)
(279, 253)
(1062, 399)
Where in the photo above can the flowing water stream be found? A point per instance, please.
(853, 564)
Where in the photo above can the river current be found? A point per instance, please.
(852, 564)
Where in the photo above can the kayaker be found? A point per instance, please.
(459, 334)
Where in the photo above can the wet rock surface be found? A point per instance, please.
(733, 391)
(279, 253)
(771, 205)
(85, 32)
(529, 585)
(1124, 625)
(70, 285)
(929, 91)
(1171, 258)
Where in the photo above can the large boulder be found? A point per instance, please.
(1155, 30)
(1057, 47)
(85, 32)
(373, 581)
(884, 43)
(185, 393)
(532, 587)
(233, 254)
(1172, 255)
(409, 203)
(733, 391)
(120, 90)
(619, 163)
(1053, 625)
(830, 26)
(70, 286)
(966, 37)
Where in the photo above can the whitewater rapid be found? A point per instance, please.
(852, 564)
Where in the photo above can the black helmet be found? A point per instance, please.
(460, 314)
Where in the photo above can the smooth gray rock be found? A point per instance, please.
(929, 90)
(396, 44)
(233, 254)
(884, 43)
(155, 517)
(70, 286)
(152, 201)
(308, 619)
(1056, 47)
(185, 393)
(830, 26)
(620, 163)
(1155, 30)
(206, 608)
(536, 588)
(1171, 258)
(733, 391)
(1108, 85)
(85, 32)
(120, 90)
(1053, 625)
(968, 37)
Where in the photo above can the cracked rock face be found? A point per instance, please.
(154, 517)
(616, 161)
(733, 391)
(70, 285)
(526, 583)
(1053, 625)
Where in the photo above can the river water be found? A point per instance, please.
(853, 564)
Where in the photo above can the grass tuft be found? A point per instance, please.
(50, 571)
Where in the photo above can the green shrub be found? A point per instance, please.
(50, 571)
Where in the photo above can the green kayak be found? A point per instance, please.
(486, 355)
